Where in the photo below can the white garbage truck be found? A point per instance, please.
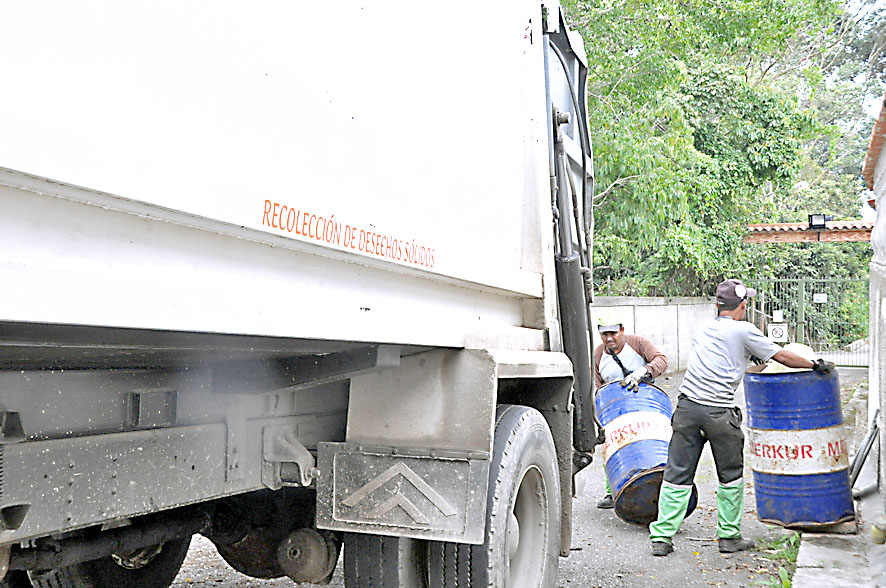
(301, 278)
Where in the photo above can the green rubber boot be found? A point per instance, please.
(606, 501)
(730, 504)
(672, 504)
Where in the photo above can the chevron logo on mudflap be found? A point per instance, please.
(408, 493)
(399, 499)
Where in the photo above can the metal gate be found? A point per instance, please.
(831, 316)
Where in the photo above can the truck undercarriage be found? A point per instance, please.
(240, 439)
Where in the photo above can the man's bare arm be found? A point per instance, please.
(791, 359)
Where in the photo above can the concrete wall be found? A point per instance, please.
(670, 323)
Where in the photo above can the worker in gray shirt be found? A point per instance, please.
(706, 412)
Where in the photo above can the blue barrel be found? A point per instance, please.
(637, 427)
(798, 451)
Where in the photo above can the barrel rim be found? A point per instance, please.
(641, 474)
(693, 495)
(806, 524)
(750, 428)
(752, 373)
(598, 388)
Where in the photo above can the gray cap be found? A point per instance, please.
(608, 326)
(732, 292)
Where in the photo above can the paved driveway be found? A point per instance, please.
(606, 552)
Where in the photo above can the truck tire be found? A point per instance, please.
(522, 524)
(377, 561)
(158, 572)
(522, 545)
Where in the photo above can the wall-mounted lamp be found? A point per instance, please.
(817, 221)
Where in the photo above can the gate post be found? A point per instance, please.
(801, 311)
(763, 310)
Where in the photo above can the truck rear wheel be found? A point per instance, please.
(377, 561)
(152, 567)
(522, 524)
(523, 505)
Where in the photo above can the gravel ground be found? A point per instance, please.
(205, 567)
(606, 552)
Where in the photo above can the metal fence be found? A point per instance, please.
(831, 316)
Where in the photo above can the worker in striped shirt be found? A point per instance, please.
(628, 359)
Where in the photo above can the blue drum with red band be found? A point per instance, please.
(637, 428)
(798, 451)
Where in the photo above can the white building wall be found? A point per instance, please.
(877, 331)
(669, 323)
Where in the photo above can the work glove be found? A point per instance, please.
(632, 380)
(822, 366)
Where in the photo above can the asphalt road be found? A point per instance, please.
(606, 552)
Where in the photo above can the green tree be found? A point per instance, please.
(707, 115)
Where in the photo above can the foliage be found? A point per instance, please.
(853, 313)
(783, 550)
(810, 260)
(707, 115)
(783, 580)
(830, 325)
(845, 318)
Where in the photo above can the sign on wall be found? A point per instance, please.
(778, 332)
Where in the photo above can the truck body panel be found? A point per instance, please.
(80, 257)
(278, 124)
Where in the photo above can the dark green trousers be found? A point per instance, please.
(694, 425)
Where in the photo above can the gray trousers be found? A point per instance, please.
(695, 424)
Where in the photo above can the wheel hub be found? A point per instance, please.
(307, 555)
(528, 528)
(513, 536)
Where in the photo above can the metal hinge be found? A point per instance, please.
(11, 430)
(285, 461)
